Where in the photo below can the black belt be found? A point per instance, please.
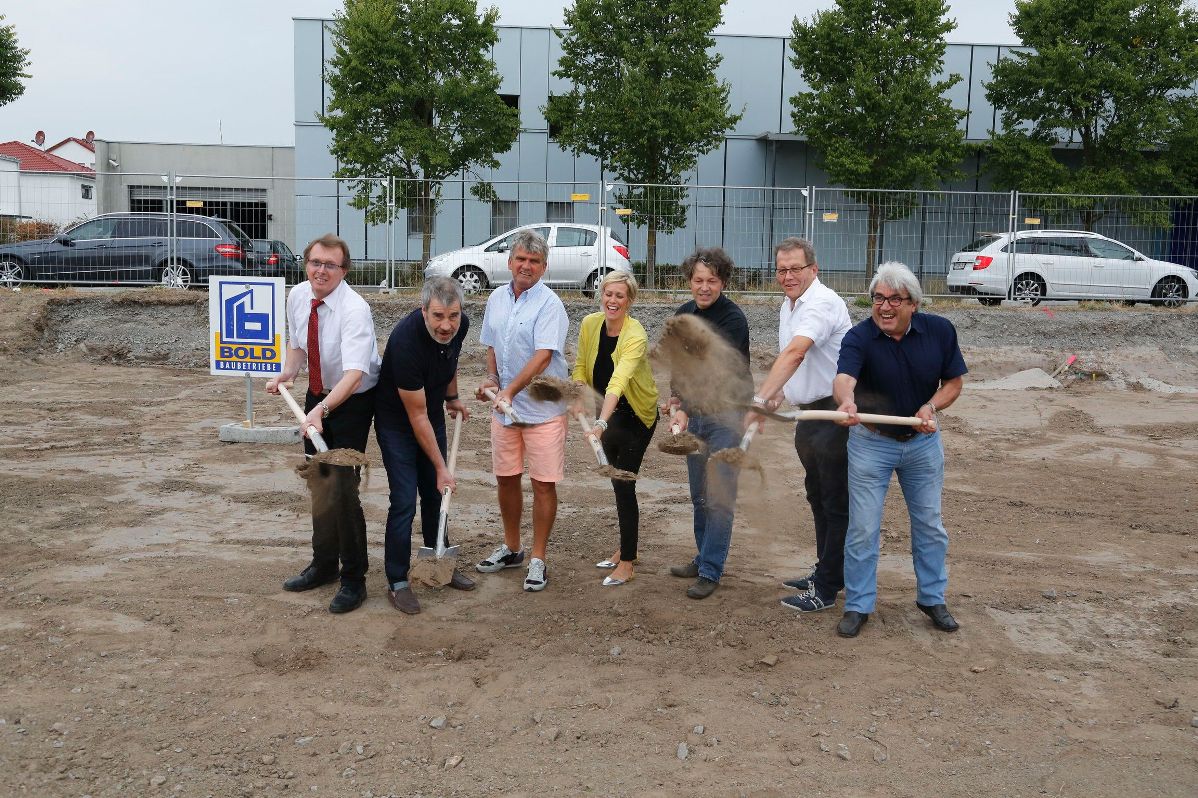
(827, 403)
(901, 437)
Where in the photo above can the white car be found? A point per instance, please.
(1065, 264)
(575, 258)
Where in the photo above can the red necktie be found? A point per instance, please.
(315, 383)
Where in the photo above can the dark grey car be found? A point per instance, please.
(131, 247)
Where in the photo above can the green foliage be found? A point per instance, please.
(875, 113)
(415, 95)
(13, 63)
(645, 99)
(1104, 76)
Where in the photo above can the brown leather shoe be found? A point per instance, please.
(404, 600)
(461, 582)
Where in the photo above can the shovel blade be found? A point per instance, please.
(426, 553)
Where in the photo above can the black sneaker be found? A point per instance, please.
(803, 582)
(808, 602)
(702, 588)
(501, 558)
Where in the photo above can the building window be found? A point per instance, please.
(504, 214)
(559, 211)
(86, 190)
(416, 216)
(511, 100)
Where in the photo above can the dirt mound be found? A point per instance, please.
(1071, 419)
(286, 659)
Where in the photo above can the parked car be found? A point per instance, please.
(274, 258)
(1065, 264)
(575, 257)
(131, 247)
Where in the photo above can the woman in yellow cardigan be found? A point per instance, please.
(613, 359)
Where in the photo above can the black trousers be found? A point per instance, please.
(822, 449)
(338, 523)
(624, 443)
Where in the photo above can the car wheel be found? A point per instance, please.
(1028, 288)
(175, 275)
(12, 273)
(1170, 292)
(990, 301)
(472, 279)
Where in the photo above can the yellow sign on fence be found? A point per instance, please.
(831, 216)
(623, 211)
(579, 197)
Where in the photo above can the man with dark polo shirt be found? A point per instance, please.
(904, 363)
(713, 483)
(418, 382)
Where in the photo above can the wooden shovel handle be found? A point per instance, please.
(504, 407)
(311, 432)
(595, 445)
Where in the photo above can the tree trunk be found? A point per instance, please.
(424, 204)
(871, 245)
(651, 254)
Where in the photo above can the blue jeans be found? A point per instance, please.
(919, 464)
(713, 490)
(409, 472)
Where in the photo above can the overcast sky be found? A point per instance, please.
(133, 70)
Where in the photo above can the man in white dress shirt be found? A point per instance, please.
(811, 323)
(332, 333)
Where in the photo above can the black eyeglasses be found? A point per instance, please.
(893, 301)
(794, 270)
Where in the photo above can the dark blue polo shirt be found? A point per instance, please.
(897, 377)
(414, 360)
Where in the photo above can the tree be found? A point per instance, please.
(415, 94)
(875, 114)
(1107, 79)
(645, 100)
(13, 63)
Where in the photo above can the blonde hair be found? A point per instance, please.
(618, 277)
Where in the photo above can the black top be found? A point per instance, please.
(413, 360)
(730, 322)
(897, 377)
(604, 365)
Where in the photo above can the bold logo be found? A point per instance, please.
(247, 333)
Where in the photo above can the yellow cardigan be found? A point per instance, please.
(631, 376)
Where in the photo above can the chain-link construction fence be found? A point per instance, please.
(176, 229)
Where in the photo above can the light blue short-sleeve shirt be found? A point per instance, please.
(516, 328)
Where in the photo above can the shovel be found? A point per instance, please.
(311, 432)
(506, 409)
(680, 442)
(439, 572)
(605, 468)
(836, 415)
(739, 457)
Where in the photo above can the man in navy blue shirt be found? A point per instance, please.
(903, 363)
(419, 378)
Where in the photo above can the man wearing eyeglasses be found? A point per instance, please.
(897, 362)
(811, 323)
(332, 332)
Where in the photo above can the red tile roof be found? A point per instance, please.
(81, 142)
(32, 159)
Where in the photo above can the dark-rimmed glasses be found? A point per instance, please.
(894, 301)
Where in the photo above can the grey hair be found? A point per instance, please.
(897, 276)
(794, 242)
(445, 290)
(531, 242)
(617, 276)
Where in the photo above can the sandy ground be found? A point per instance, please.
(146, 647)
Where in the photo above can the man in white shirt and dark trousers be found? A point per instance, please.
(811, 323)
(332, 333)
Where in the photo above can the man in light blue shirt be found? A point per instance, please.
(524, 330)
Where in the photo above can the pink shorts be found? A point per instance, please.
(544, 445)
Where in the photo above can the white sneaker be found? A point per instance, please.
(535, 578)
(501, 558)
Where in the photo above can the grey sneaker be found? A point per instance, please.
(535, 579)
(501, 558)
